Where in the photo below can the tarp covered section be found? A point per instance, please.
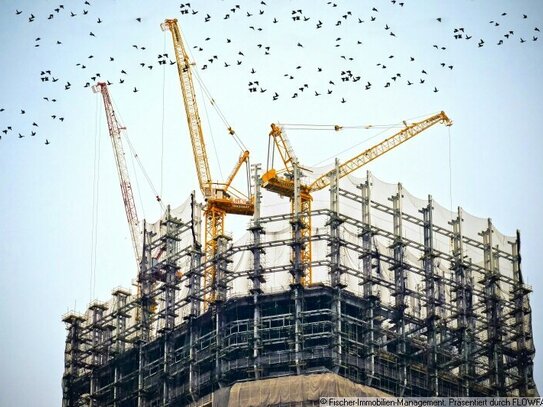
(292, 389)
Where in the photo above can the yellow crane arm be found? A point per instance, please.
(383, 147)
(283, 146)
(242, 159)
(191, 108)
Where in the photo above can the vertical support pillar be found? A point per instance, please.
(121, 317)
(194, 274)
(142, 362)
(256, 274)
(370, 261)
(431, 280)
(335, 244)
(119, 339)
(491, 280)
(97, 342)
(72, 358)
(146, 301)
(522, 326)
(195, 277)
(145, 286)
(465, 318)
(168, 274)
(399, 293)
(298, 272)
(221, 269)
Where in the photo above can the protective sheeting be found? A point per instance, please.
(291, 389)
(484, 248)
(278, 229)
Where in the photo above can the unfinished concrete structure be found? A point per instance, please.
(407, 298)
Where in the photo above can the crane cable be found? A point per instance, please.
(136, 156)
(142, 168)
(450, 172)
(138, 189)
(328, 127)
(206, 92)
(95, 201)
(337, 127)
(162, 127)
(349, 148)
(212, 138)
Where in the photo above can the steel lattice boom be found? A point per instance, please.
(115, 129)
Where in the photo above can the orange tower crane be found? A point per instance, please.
(115, 129)
(282, 182)
(220, 196)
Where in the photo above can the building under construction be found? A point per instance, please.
(406, 297)
(353, 288)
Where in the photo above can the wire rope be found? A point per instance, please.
(450, 172)
(163, 120)
(138, 188)
(213, 140)
(348, 149)
(337, 127)
(213, 103)
(136, 156)
(95, 202)
(144, 172)
(207, 93)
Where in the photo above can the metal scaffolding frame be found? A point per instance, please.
(466, 332)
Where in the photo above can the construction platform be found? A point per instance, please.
(407, 298)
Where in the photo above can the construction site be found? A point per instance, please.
(356, 288)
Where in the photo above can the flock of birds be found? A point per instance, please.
(332, 67)
(47, 77)
(341, 66)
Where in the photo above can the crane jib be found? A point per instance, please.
(378, 150)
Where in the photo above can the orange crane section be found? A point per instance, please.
(220, 197)
(282, 182)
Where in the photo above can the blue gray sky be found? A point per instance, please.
(65, 239)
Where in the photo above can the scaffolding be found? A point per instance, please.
(408, 298)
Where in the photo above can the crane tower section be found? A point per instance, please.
(221, 198)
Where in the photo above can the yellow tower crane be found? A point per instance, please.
(282, 182)
(220, 197)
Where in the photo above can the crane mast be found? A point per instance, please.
(115, 129)
(273, 181)
(220, 200)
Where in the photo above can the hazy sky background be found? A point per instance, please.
(65, 239)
